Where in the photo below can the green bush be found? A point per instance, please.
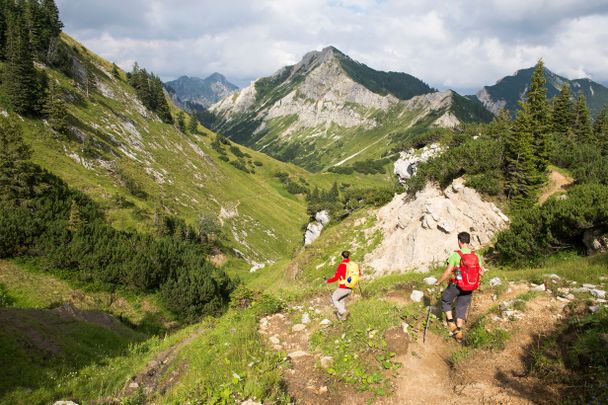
(5, 299)
(559, 224)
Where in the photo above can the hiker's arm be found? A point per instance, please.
(336, 276)
(446, 274)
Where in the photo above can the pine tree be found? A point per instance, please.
(521, 169)
(20, 79)
(56, 110)
(193, 124)
(539, 117)
(51, 15)
(581, 127)
(181, 121)
(563, 113)
(600, 130)
(35, 25)
(161, 107)
(74, 219)
(14, 156)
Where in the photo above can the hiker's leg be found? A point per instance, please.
(447, 298)
(462, 305)
(339, 297)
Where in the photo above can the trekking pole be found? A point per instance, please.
(428, 320)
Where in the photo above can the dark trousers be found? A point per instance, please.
(462, 298)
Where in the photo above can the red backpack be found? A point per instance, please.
(470, 271)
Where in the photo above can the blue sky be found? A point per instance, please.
(458, 44)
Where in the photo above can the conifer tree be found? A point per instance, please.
(581, 127)
(563, 113)
(181, 121)
(56, 110)
(14, 155)
(161, 107)
(521, 169)
(74, 219)
(51, 15)
(3, 22)
(193, 124)
(539, 117)
(600, 130)
(20, 79)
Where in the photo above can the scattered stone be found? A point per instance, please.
(251, 402)
(323, 390)
(563, 299)
(600, 301)
(570, 297)
(64, 403)
(505, 305)
(274, 340)
(494, 297)
(596, 240)
(305, 318)
(554, 276)
(495, 282)
(562, 292)
(538, 287)
(326, 362)
(430, 280)
(297, 354)
(598, 293)
(495, 318)
(405, 326)
(589, 286)
(133, 386)
(581, 290)
(594, 308)
(325, 322)
(512, 314)
(298, 327)
(416, 296)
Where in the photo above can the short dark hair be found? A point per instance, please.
(464, 237)
(346, 254)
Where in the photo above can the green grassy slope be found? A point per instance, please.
(135, 166)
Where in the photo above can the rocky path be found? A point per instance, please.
(429, 373)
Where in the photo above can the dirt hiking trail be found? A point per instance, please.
(429, 373)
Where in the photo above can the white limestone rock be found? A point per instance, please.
(416, 296)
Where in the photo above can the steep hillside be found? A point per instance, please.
(139, 168)
(511, 89)
(204, 92)
(329, 109)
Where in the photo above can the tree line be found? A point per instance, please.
(64, 231)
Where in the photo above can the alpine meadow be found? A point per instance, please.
(167, 238)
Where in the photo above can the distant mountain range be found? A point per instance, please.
(511, 89)
(330, 110)
(204, 92)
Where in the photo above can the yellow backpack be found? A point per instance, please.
(352, 275)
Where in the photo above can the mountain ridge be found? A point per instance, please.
(508, 90)
(207, 91)
(328, 101)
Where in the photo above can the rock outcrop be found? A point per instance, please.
(596, 241)
(314, 228)
(406, 165)
(420, 231)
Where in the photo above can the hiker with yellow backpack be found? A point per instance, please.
(347, 275)
(464, 269)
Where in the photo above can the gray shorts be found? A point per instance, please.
(463, 300)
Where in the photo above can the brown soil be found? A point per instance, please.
(557, 183)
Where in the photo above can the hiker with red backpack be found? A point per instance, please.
(347, 275)
(464, 271)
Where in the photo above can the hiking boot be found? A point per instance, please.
(452, 326)
(458, 335)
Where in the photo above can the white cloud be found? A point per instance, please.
(460, 44)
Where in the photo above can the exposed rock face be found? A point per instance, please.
(421, 231)
(313, 231)
(201, 91)
(405, 166)
(494, 106)
(596, 241)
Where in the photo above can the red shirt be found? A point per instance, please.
(340, 275)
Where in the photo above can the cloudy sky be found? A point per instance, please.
(458, 44)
